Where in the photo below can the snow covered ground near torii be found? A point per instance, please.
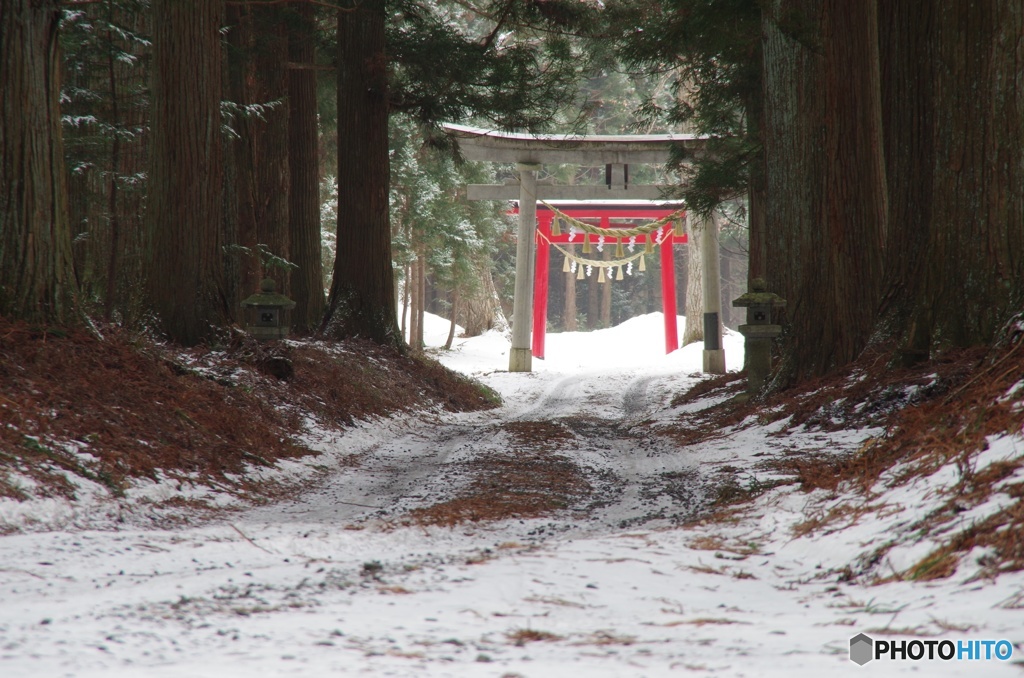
(329, 584)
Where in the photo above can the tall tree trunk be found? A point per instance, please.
(416, 302)
(185, 280)
(362, 300)
(694, 328)
(825, 177)
(303, 163)
(952, 98)
(569, 314)
(259, 78)
(115, 166)
(36, 270)
(405, 298)
(421, 312)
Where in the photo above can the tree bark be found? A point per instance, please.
(416, 302)
(952, 94)
(405, 298)
(185, 271)
(593, 300)
(303, 164)
(694, 329)
(569, 323)
(259, 78)
(825, 178)
(362, 300)
(36, 271)
(455, 315)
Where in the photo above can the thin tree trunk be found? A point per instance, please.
(36, 270)
(115, 167)
(593, 301)
(421, 312)
(606, 290)
(405, 297)
(303, 164)
(414, 309)
(185, 279)
(362, 300)
(694, 329)
(569, 323)
(455, 314)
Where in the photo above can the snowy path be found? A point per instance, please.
(331, 583)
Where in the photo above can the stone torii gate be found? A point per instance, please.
(529, 152)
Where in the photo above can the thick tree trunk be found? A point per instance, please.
(362, 300)
(825, 177)
(259, 77)
(953, 95)
(303, 164)
(694, 330)
(184, 210)
(483, 310)
(36, 270)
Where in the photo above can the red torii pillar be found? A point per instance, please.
(540, 279)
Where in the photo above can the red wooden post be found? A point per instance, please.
(668, 290)
(540, 285)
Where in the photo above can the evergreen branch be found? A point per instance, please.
(476, 10)
(279, 2)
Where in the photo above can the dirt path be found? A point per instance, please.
(573, 452)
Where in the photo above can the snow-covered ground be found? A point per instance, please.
(334, 583)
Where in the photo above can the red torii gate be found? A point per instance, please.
(604, 212)
(530, 152)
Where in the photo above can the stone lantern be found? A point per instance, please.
(266, 312)
(759, 331)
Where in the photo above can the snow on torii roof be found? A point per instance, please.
(594, 149)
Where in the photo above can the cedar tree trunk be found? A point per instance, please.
(303, 162)
(826, 199)
(362, 300)
(36, 271)
(184, 210)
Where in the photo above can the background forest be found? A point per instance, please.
(161, 157)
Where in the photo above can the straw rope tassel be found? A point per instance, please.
(600, 275)
(580, 274)
(586, 244)
(556, 226)
(649, 245)
(618, 276)
(620, 250)
(566, 266)
(643, 264)
(678, 227)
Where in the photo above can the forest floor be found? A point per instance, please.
(324, 508)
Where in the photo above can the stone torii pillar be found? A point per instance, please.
(711, 280)
(520, 357)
